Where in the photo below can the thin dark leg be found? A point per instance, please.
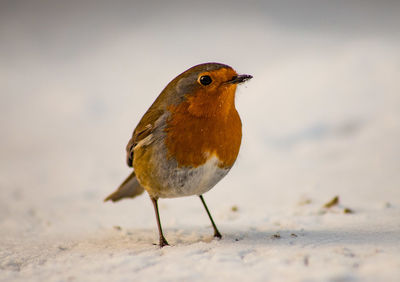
(216, 232)
(163, 242)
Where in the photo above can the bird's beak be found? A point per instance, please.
(240, 79)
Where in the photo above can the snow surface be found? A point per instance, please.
(321, 119)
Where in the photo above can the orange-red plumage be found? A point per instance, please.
(191, 141)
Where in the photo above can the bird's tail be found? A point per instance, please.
(130, 188)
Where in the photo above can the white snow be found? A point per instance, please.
(321, 118)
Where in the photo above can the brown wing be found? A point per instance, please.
(145, 127)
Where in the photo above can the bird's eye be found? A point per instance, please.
(205, 80)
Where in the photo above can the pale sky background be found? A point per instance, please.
(71, 66)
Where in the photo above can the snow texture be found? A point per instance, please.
(321, 118)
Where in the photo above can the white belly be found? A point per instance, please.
(182, 182)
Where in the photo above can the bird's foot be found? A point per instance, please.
(217, 234)
(163, 242)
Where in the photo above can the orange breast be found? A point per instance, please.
(203, 126)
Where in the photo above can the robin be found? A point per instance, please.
(188, 139)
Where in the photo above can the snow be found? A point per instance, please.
(321, 119)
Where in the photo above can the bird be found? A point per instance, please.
(188, 139)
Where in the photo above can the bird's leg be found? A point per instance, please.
(216, 232)
(163, 241)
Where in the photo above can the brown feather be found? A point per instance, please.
(130, 188)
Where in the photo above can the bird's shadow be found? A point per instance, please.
(254, 236)
(314, 237)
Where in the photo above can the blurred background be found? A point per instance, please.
(321, 116)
